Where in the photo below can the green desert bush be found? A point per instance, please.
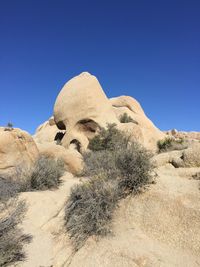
(46, 174)
(107, 139)
(170, 144)
(9, 127)
(89, 210)
(125, 118)
(116, 167)
(12, 239)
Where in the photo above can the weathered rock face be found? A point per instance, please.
(141, 129)
(47, 132)
(17, 148)
(82, 107)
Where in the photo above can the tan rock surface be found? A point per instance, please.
(82, 107)
(71, 157)
(143, 130)
(17, 148)
(46, 132)
(128, 102)
(189, 157)
(43, 208)
(185, 135)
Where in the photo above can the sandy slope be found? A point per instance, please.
(157, 228)
(43, 207)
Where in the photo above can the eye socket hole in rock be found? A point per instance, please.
(58, 137)
(61, 125)
(88, 125)
(77, 144)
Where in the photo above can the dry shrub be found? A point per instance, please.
(170, 144)
(8, 189)
(89, 210)
(12, 238)
(125, 118)
(46, 174)
(102, 161)
(135, 169)
(116, 167)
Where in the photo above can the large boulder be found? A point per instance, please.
(17, 148)
(191, 156)
(82, 107)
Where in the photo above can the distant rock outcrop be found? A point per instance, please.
(185, 135)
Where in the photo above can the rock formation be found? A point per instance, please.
(17, 148)
(82, 107)
(46, 132)
(158, 228)
(185, 135)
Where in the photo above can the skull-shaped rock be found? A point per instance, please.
(81, 108)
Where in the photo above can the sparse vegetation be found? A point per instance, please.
(46, 174)
(9, 127)
(8, 189)
(109, 139)
(12, 238)
(135, 169)
(12, 211)
(98, 162)
(169, 144)
(89, 210)
(116, 167)
(125, 118)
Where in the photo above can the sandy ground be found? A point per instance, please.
(159, 228)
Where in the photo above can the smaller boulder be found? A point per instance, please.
(191, 156)
(72, 158)
(47, 132)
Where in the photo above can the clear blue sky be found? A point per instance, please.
(147, 49)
